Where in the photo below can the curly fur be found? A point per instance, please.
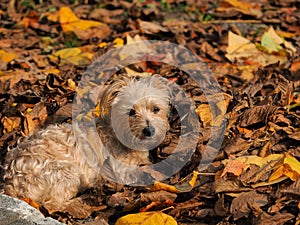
(53, 165)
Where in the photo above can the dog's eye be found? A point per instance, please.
(156, 110)
(131, 112)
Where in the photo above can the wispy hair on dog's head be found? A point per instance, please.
(134, 88)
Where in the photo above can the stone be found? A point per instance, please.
(16, 212)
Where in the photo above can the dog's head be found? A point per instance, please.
(137, 110)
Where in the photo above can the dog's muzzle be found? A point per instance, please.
(149, 131)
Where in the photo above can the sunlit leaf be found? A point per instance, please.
(67, 52)
(147, 218)
(289, 168)
(70, 22)
(118, 42)
(7, 56)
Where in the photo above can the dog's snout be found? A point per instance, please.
(149, 131)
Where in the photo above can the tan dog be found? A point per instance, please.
(53, 165)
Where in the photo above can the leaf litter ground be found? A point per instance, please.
(253, 50)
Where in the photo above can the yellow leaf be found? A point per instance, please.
(71, 84)
(54, 71)
(182, 186)
(240, 49)
(129, 39)
(102, 45)
(162, 186)
(272, 41)
(241, 6)
(132, 73)
(70, 22)
(67, 52)
(97, 111)
(289, 168)
(7, 56)
(238, 44)
(67, 16)
(293, 163)
(204, 114)
(147, 218)
(85, 24)
(53, 16)
(259, 161)
(87, 55)
(278, 173)
(78, 60)
(118, 42)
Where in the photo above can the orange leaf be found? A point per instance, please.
(67, 16)
(7, 56)
(234, 167)
(31, 202)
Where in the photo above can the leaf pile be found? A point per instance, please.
(251, 47)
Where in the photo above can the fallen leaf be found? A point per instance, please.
(184, 185)
(272, 42)
(35, 118)
(84, 29)
(72, 55)
(289, 168)
(69, 21)
(158, 196)
(256, 115)
(151, 27)
(146, 218)
(31, 203)
(274, 219)
(234, 167)
(256, 160)
(245, 202)
(242, 50)
(7, 56)
(10, 123)
(67, 52)
(132, 73)
(118, 42)
(205, 114)
(243, 7)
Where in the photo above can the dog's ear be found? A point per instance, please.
(109, 95)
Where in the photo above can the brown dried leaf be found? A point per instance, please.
(243, 205)
(10, 123)
(35, 119)
(158, 196)
(274, 219)
(256, 114)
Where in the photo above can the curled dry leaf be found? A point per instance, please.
(245, 202)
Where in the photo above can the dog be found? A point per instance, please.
(55, 164)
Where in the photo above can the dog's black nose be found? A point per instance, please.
(149, 131)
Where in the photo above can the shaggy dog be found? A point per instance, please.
(54, 164)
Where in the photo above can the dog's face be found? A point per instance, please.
(139, 112)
